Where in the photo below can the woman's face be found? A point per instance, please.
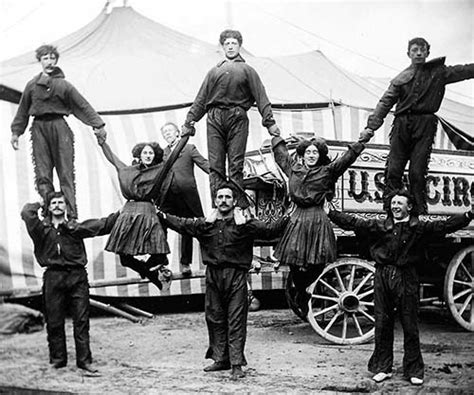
(147, 155)
(311, 156)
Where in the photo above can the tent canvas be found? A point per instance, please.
(139, 74)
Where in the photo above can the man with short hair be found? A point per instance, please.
(48, 98)
(398, 246)
(227, 250)
(226, 94)
(417, 91)
(59, 248)
(181, 196)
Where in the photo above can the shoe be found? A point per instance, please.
(186, 269)
(59, 365)
(237, 372)
(416, 381)
(217, 366)
(89, 369)
(381, 376)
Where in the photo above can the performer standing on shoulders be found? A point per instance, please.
(48, 98)
(418, 92)
(226, 94)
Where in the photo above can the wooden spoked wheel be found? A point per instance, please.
(342, 302)
(459, 287)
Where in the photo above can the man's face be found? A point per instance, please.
(170, 133)
(224, 200)
(57, 206)
(231, 48)
(400, 207)
(48, 62)
(418, 54)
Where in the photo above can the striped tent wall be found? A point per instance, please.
(98, 192)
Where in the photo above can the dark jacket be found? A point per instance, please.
(53, 95)
(310, 187)
(399, 244)
(62, 246)
(419, 89)
(181, 180)
(231, 84)
(223, 243)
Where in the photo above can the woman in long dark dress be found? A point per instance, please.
(137, 236)
(309, 243)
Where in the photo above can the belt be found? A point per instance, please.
(65, 268)
(48, 117)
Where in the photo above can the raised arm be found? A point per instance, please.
(34, 226)
(282, 156)
(341, 164)
(101, 135)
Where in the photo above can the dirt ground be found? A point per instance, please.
(165, 354)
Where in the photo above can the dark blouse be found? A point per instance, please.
(309, 186)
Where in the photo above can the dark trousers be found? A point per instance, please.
(53, 147)
(226, 309)
(175, 204)
(411, 139)
(227, 133)
(396, 289)
(63, 288)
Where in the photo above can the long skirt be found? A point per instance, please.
(308, 239)
(138, 231)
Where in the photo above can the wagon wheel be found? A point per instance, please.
(291, 298)
(344, 295)
(459, 287)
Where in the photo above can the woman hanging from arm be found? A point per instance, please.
(308, 242)
(137, 236)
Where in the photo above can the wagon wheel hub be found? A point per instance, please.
(349, 302)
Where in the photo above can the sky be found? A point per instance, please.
(366, 37)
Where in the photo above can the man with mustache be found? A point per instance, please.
(417, 92)
(59, 248)
(398, 246)
(49, 98)
(227, 251)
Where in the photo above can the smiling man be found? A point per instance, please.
(226, 94)
(59, 248)
(227, 252)
(48, 98)
(398, 246)
(417, 92)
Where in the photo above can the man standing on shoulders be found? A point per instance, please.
(59, 248)
(417, 91)
(181, 196)
(226, 94)
(49, 98)
(227, 251)
(398, 246)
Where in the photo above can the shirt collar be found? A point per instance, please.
(238, 58)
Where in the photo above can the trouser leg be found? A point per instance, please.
(237, 315)
(400, 150)
(424, 131)
(238, 131)
(216, 316)
(384, 311)
(413, 365)
(217, 150)
(134, 264)
(42, 159)
(79, 297)
(63, 154)
(54, 299)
